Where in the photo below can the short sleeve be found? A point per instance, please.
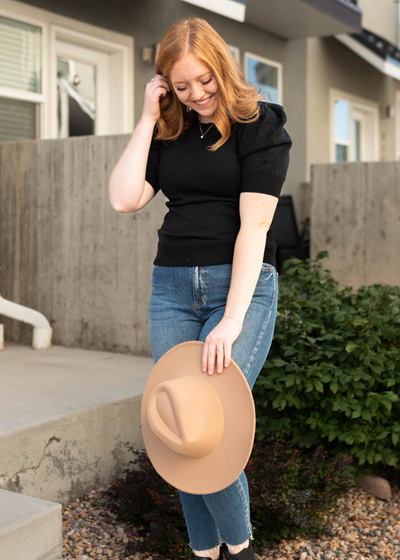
(264, 151)
(152, 162)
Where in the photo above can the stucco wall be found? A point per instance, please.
(381, 17)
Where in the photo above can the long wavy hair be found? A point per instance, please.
(236, 99)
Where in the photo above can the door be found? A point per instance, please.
(82, 83)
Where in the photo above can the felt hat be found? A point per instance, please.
(198, 429)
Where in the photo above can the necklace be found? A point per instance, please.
(204, 133)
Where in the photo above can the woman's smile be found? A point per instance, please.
(204, 102)
(195, 86)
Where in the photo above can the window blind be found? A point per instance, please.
(17, 120)
(20, 55)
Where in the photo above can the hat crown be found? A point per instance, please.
(187, 415)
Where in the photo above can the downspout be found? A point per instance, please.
(42, 332)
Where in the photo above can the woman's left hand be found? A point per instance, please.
(219, 344)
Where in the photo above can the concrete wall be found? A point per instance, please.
(66, 253)
(381, 17)
(355, 215)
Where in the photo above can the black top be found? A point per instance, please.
(203, 187)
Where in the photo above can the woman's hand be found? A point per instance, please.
(219, 344)
(154, 92)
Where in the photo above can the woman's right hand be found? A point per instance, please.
(154, 92)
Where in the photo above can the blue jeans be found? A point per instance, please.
(186, 304)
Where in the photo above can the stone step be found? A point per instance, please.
(65, 417)
(30, 529)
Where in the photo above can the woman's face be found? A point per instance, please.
(195, 85)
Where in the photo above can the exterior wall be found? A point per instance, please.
(332, 65)
(295, 103)
(381, 17)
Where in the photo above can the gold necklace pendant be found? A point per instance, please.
(204, 133)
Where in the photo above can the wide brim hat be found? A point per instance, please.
(198, 429)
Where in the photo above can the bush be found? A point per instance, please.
(288, 491)
(333, 372)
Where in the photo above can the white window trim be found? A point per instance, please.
(270, 62)
(355, 103)
(96, 37)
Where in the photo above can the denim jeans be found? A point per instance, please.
(186, 304)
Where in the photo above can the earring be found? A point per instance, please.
(188, 109)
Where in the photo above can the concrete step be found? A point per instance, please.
(65, 417)
(30, 529)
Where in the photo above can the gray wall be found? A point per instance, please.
(66, 253)
(355, 215)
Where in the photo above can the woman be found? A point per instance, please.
(220, 155)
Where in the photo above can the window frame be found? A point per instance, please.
(365, 106)
(272, 63)
(117, 44)
(39, 99)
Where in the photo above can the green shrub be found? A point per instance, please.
(288, 491)
(332, 376)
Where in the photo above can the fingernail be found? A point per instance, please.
(210, 372)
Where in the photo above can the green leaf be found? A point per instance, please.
(289, 351)
(322, 255)
(366, 415)
(279, 363)
(387, 404)
(334, 387)
(350, 346)
(359, 321)
(318, 385)
(395, 438)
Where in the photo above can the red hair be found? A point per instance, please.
(236, 99)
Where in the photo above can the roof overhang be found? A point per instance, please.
(294, 19)
(291, 19)
(374, 49)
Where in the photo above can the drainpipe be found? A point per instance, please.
(42, 332)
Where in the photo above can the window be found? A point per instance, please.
(20, 79)
(266, 75)
(57, 82)
(355, 129)
(342, 129)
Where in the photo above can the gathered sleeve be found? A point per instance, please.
(264, 151)
(152, 163)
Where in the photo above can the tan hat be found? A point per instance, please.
(198, 429)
